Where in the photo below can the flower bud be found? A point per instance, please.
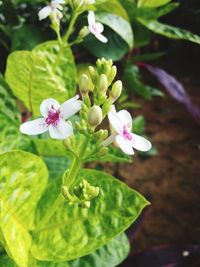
(84, 84)
(101, 134)
(116, 90)
(83, 32)
(103, 84)
(85, 205)
(103, 151)
(112, 74)
(95, 116)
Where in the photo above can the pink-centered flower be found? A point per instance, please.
(54, 116)
(96, 28)
(121, 123)
(54, 8)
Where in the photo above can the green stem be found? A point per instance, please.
(71, 25)
(71, 176)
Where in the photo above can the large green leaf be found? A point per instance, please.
(114, 49)
(8, 107)
(117, 24)
(113, 5)
(62, 63)
(169, 31)
(23, 178)
(73, 232)
(40, 74)
(152, 3)
(110, 255)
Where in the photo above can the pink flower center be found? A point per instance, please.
(127, 134)
(94, 28)
(53, 117)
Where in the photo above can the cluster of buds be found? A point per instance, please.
(104, 93)
(82, 194)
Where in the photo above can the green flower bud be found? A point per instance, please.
(84, 84)
(101, 134)
(103, 84)
(112, 74)
(116, 90)
(103, 151)
(83, 32)
(93, 73)
(95, 116)
(85, 205)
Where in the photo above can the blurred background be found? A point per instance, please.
(168, 232)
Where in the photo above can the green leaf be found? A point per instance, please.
(114, 49)
(113, 5)
(23, 178)
(73, 232)
(169, 31)
(8, 106)
(110, 255)
(117, 24)
(62, 64)
(37, 75)
(114, 154)
(5, 261)
(138, 125)
(27, 37)
(152, 3)
(132, 78)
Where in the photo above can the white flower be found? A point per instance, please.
(54, 116)
(55, 8)
(121, 123)
(96, 28)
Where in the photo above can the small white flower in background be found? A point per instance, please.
(54, 116)
(54, 8)
(121, 123)
(96, 28)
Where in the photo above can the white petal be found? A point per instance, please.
(34, 127)
(109, 140)
(91, 18)
(114, 120)
(47, 104)
(140, 143)
(44, 12)
(125, 145)
(125, 118)
(61, 131)
(58, 2)
(99, 27)
(70, 107)
(101, 37)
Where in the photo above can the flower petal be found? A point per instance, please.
(70, 107)
(47, 104)
(125, 118)
(101, 37)
(125, 145)
(34, 127)
(140, 143)
(44, 12)
(109, 140)
(99, 27)
(61, 131)
(114, 120)
(58, 2)
(91, 18)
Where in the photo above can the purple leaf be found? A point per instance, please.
(175, 89)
